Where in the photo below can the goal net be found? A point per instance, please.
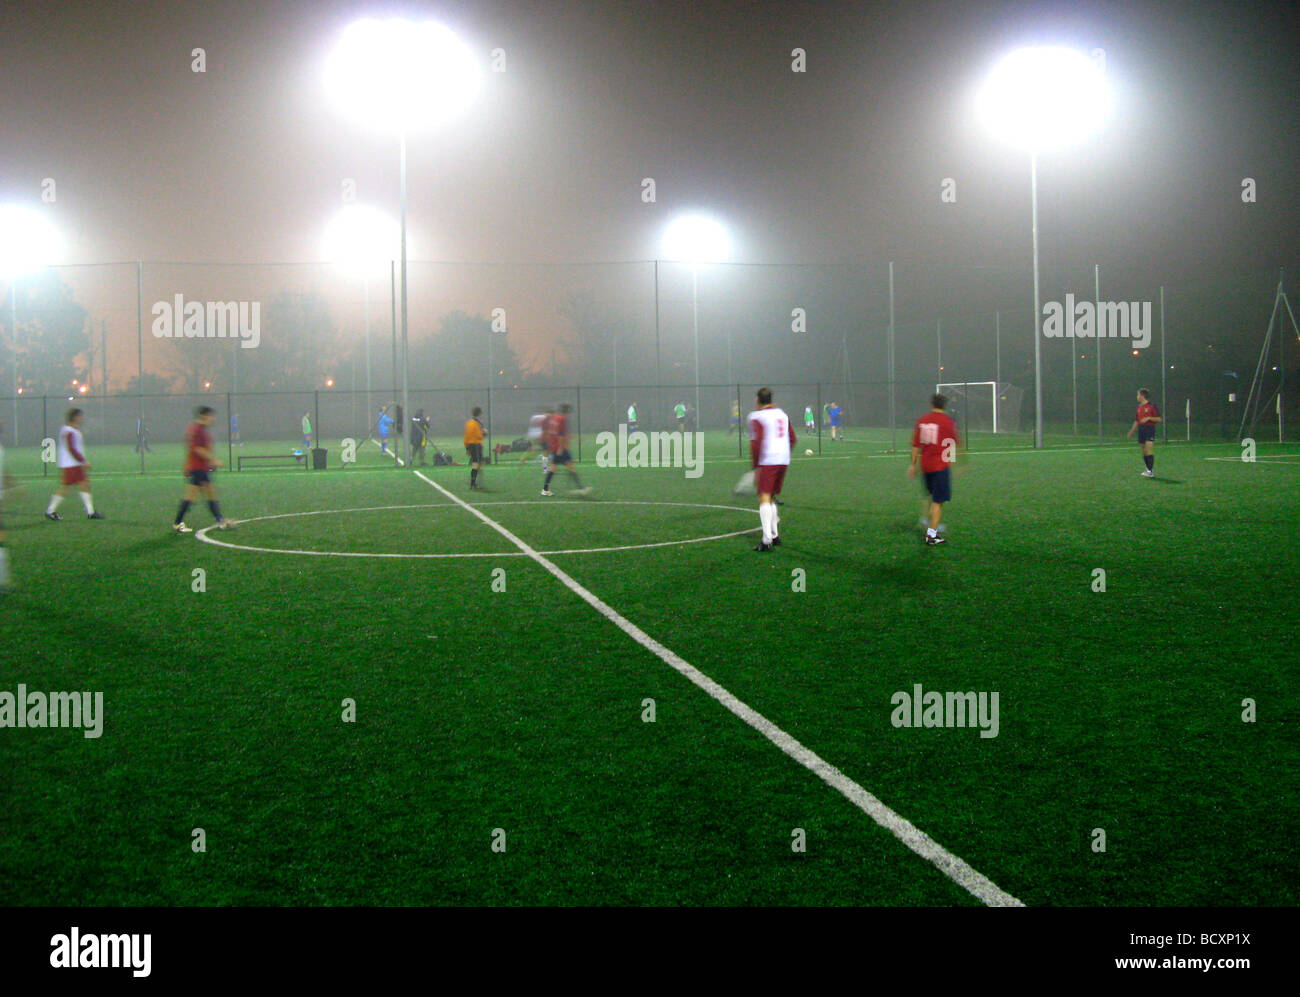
(983, 406)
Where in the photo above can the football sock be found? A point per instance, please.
(546, 485)
(88, 503)
(776, 519)
(180, 516)
(1150, 462)
(4, 564)
(473, 477)
(930, 532)
(577, 482)
(765, 510)
(216, 510)
(54, 502)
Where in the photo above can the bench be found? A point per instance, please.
(298, 456)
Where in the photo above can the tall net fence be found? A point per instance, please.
(140, 345)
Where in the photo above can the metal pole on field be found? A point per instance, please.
(893, 432)
(230, 446)
(819, 407)
(139, 357)
(1074, 384)
(13, 335)
(658, 389)
(695, 321)
(392, 298)
(365, 284)
(938, 346)
(1096, 302)
(315, 425)
(1164, 421)
(45, 431)
(404, 428)
(489, 392)
(577, 412)
(740, 447)
(997, 349)
(1038, 311)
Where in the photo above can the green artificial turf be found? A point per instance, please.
(522, 710)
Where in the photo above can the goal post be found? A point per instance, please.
(984, 406)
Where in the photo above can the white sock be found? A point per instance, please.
(55, 499)
(930, 533)
(776, 520)
(88, 503)
(765, 517)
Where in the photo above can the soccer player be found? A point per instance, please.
(679, 410)
(306, 430)
(234, 431)
(734, 425)
(770, 438)
(419, 436)
(836, 418)
(200, 462)
(1145, 425)
(141, 436)
(631, 418)
(558, 444)
(539, 432)
(474, 445)
(809, 423)
(73, 467)
(383, 424)
(934, 445)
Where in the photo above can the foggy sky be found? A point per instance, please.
(843, 163)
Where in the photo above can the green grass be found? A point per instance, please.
(522, 710)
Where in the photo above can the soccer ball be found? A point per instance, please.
(807, 453)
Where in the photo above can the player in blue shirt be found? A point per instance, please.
(836, 417)
(385, 426)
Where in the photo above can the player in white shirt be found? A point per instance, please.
(770, 438)
(73, 467)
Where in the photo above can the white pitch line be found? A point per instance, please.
(952, 866)
(400, 462)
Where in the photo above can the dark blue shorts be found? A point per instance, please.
(939, 485)
(562, 458)
(198, 478)
(1146, 434)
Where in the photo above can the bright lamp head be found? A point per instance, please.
(696, 239)
(28, 240)
(400, 74)
(362, 240)
(1044, 98)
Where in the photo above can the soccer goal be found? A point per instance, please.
(983, 406)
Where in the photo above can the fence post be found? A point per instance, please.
(577, 412)
(230, 445)
(45, 431)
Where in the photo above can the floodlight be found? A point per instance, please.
(696, 239)
(1044, 98)
(28, 240)
(362, 240)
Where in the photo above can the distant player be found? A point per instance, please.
(419, 437)
(836, 416)
(306, 430)
(141, 436)
(384, 425)
(1145, 425)
(73, 467)
(200, 462)
(679, 410)
(474, 445)
(770, 438)
(809, 423)
(631, 418)
(538, 429)
(234, 431)
(734, 425)
(934, 446)
(558, 445)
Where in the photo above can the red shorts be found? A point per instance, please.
(769, 478)
(73, 475)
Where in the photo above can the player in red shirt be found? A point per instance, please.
(557, 442)
(934, 447)
(1145, 426)
(200, 462)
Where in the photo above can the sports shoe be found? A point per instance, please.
(95, 515)
(934, 541)
(763, 548)
(582, 491)
(181, 528)
(547, 493)
(54, 517)
(225, 524)
(1148, 474)
(776, 541)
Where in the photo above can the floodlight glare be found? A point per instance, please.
(696, 239)
(399, 75)
(362, 240)
(1044, 98)
(28, 241)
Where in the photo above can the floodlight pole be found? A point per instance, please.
(13, 337)
(365, 283)
(1038, 311)
(695, 321)
(1096, 302)
(406, 365)
(893, 430)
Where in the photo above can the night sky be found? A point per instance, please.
(843, 162)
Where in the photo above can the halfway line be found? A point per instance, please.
(955, 868)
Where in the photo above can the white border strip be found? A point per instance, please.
(956, 869)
